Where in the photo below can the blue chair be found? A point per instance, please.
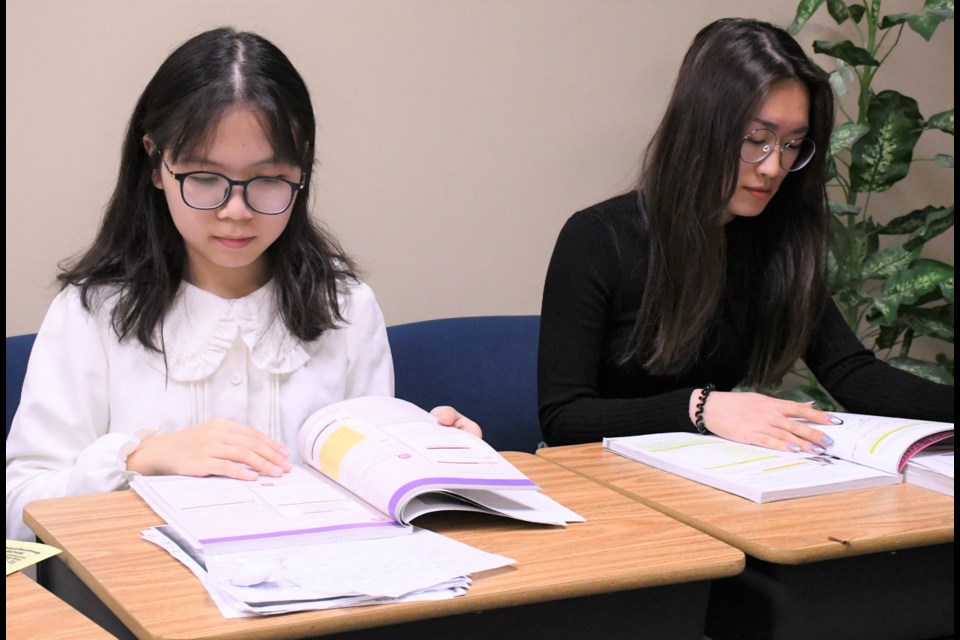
(485, 366)
(18, 353)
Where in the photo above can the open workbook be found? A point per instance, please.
(375, 464)
(868, 451)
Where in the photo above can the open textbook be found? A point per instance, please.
(868, 451)
(375, 464)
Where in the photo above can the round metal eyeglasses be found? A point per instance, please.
(760, 143)
(206, 190)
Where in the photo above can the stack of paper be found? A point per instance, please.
(420, 566)
(932, 470)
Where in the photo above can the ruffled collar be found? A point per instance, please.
(201, 327)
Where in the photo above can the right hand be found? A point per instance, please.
(754, 418)
(219, 447)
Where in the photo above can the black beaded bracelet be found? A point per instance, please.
(698, 415)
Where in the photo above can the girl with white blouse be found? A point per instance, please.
(211, 316)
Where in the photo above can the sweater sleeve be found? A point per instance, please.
(580, 293)
(60, 442)
(861, 383)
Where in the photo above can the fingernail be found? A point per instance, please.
(818, 449)
(836, 420)
(284, 450)
(809, 402)
(795, 448)
(827, 440)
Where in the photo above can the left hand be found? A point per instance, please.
(450, 417)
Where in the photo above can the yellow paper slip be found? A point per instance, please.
(23, 554)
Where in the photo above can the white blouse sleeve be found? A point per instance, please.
(60, 442)
(370, 364)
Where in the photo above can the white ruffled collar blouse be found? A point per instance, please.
(201, 327)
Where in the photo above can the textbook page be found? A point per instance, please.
(882, 443)
(229, 514)
(390, 451)
(755, 473)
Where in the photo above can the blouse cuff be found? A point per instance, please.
(128, 447)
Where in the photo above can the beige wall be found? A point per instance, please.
(455, 136)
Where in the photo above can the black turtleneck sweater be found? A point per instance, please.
(593, 290)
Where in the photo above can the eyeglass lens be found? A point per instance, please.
(759, 144)
(210, 190)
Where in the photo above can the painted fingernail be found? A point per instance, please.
(818, 449)
(827, 440)
(836, 420)
(795, 448)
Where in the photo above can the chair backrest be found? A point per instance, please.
(18, 353)
(484, 366)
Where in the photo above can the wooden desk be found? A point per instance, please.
(786, 532)
(621, 547)
(833, 547)
(33, 612)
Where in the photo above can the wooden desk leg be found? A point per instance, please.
(58, 578)
(896, 595)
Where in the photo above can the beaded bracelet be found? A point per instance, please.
(698, 415)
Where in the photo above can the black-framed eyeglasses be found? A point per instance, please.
(760, 143)
(206, 190)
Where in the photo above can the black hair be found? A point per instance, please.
(688, 178)
(138, 252)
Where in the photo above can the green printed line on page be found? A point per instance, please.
(891, 432)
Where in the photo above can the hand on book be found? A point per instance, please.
(219, 447)
(450, 417)
(753, 418)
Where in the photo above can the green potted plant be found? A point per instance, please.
(889, 295)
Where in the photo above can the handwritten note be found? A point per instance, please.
(23, 554)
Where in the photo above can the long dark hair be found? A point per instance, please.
(138, 252)
(689, 175)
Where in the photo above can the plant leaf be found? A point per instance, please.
(946, 362)
(887, 337)
(946, 290)
(935, 222)
(842, 208)
(856, 12)
(847, 249)
(942, 121)
(845, 135)
(944, 160)
(936, 322)
(921, 368)
(846, 51)
(882, 157)
(924, 23)
(940, 7)
(943, 8)
(912, 221)
(888, 262)
(805, 9)
(909, 285)
(837, 10)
